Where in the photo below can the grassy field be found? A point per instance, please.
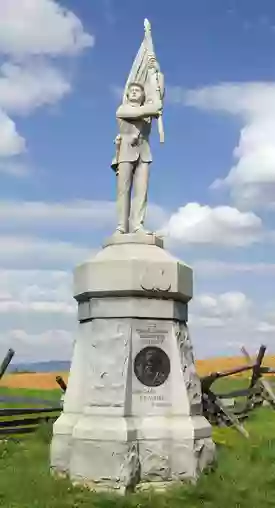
(244, 476)
(30, 392)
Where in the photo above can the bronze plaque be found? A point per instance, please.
(152, 366)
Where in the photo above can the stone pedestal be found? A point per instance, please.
(132, 410)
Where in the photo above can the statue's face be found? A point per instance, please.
(135, 94)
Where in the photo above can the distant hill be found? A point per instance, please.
(51, 366)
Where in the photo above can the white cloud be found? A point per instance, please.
(15, 168)
(36, 291)
(11, 143)
(34, 27)
(215, 267)
(38, 313)
(80, 212)
(232, 304)
(51, 344)
(29, 284)
(31, 252)
(11, 306)
(246, 99)
(223, 225)
(31, 33)
(193, 223)
(265, 327)
(205, 321)
(221, 323)
(24, 88)
(251, 180)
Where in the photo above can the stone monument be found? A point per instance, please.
(132, 414)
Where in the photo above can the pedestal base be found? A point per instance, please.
(132, 410)
(123, 453)
(132, 424)
(154, 449)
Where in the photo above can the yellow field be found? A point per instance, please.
(39, 381)
(224, 363)
(46, 381)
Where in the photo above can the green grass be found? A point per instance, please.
(226, 385)
(53, 395)
(26, 392)
(244, 476)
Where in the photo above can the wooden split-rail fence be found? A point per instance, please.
(17, 421)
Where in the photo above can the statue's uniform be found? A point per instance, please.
(132, 166)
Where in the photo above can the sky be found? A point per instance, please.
(212, 183)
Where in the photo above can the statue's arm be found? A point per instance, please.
(125, 111)
(156, 77)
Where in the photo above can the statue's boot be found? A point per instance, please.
(142, 230)
(120, 231)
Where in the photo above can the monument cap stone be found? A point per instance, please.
(133, 269)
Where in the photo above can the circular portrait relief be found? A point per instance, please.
(152, 366)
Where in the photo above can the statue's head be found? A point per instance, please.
(136, 93)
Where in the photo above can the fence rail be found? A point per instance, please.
(17, 421)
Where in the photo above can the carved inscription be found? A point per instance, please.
(152, 336)
(151, 398)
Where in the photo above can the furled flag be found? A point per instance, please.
(151, 78)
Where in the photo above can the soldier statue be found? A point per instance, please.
(133, 155)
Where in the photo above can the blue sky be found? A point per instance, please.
(212, 183)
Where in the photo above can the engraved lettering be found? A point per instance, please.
(145, 398)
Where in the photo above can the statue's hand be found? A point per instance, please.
(117, 139)
(159, 109)
(153, 64)
(157, 115)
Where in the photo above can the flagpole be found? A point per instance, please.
(151, 52)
